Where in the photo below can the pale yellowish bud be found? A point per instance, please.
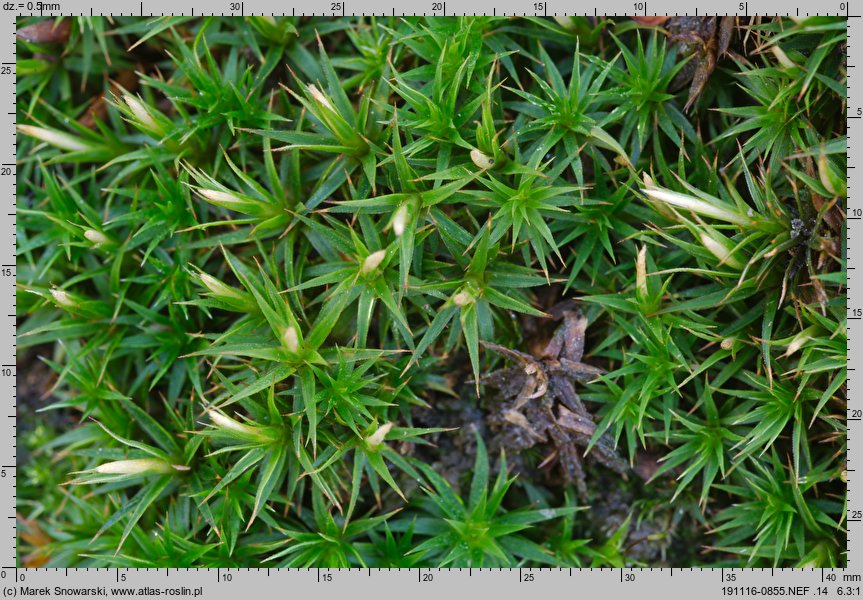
(641, 272)
(372, 261)
(727, 343)
(480, 159)
(795, 345)
(291, 340)
(400, 219)
(136, 466)
(142, 115)
(218, 287)
(62, 298)
(97, 237)
(221, 198)
(800, 339)
(687, 202)
(463, 298)
(56, 138)
(226, 423)
(822, 175)
(829, 178)
(319, 97)
(565, 22)
(720, 251)
(234, 201)
(782, 58)
(377, 438)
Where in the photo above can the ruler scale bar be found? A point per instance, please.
(854, 157)
(8, 352)
(159, 8)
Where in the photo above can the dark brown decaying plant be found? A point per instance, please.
(540, 406)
